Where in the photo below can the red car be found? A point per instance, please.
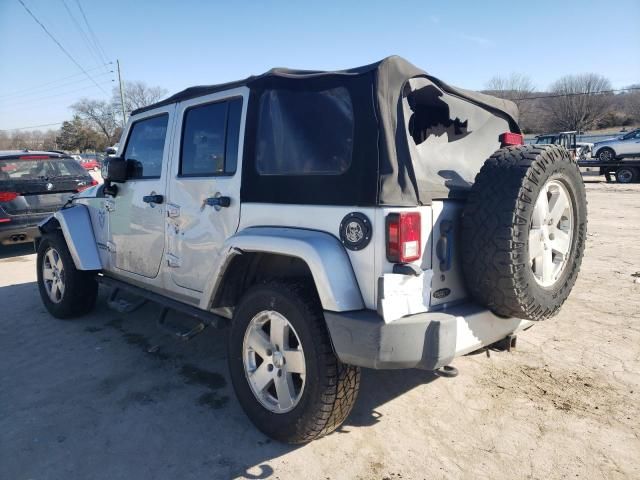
(90, 162)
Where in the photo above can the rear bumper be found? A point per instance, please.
(426, 341)
(21, 229)
(13, 236)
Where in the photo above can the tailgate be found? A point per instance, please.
(39, 196)
(447, 284)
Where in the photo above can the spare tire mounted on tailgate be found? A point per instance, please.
(523, 231)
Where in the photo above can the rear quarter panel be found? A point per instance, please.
(325, 219)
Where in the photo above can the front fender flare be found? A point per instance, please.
(325, 256)
(75, 224)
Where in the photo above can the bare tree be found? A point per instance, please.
(28, 139)
(100, 115)
(577, 102)
(632, 101)
(517, 87)
(137, 95)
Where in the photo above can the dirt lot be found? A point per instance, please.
(111, 397)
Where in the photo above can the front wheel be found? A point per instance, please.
(65, 291)
(283, 369)
(606, 155)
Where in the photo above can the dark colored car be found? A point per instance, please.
(32, 186)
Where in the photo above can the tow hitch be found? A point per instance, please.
(507, 344)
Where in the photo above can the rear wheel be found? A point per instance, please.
(524, 230)
(626, 175)
(65, 291)
(283, 369)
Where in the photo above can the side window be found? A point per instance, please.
(145, 147)
(632, 135)
(304, 133)
(210, 136)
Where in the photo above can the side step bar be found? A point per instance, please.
(207, 319)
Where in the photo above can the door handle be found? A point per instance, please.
(157, 199)
(444, 244)
(218, 202)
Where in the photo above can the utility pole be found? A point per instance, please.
(124, 114)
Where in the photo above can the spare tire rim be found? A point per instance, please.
(274, 363)
(53, 275)
(551, 233)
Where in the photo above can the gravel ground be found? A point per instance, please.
(110, 396)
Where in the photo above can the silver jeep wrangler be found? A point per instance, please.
(373, 217)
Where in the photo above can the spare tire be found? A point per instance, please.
(523, 231)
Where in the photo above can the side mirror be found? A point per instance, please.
(114, 169)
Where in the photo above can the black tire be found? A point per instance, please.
(80, 287)
(496, 224)
(626, 175)
(331, 387)
(606, 154)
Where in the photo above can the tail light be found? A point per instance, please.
(403, 237)
(8, 196)
(34, 157)
(510, 138)
(94, 182)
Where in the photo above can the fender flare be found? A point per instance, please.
(325, 256)
(75, 224)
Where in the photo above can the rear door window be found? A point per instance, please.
(210, 137)
(145, 147)
(304, 133)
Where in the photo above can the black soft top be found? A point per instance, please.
(391, 73)
(455, 130)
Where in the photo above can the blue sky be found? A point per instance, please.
(176, 44)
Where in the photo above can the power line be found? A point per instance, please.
(70, 92)
(92, 33)
(38, 87)
(60, 45)
(87, 42)
(52, 124)
(32, 126)
(577, 94)
(53, 88)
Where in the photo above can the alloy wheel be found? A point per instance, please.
(551, 233)
(274, 362)
(53, 275)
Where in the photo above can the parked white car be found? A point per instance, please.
(624, 146)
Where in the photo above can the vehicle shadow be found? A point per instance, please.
(164, 408)
(11, 251)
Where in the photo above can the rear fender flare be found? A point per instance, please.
(325, 256)
(75, 224)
